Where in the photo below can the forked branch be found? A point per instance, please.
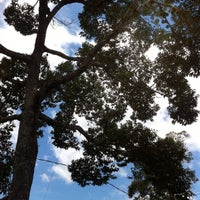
(85, 62)
(55, 123)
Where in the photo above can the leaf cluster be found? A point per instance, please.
(118, 78)
(22, 17)
(12, 88)
(6, 158)
(162, 175)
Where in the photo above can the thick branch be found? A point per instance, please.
(119, 27)
(50, 84)
(13, 54)
(9, 118)
(55, 123)
(83, 65)
(62, 55)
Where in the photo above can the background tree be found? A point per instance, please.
(100, 82)
(6, 154)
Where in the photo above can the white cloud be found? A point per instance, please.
(62, 173)
(45, 177)
(3, 4)
(15, 134)
(152, 52)
(53, 113)
(15, 41)
(59, 38)
(65, 157)
(163, 124)
(12, 39)
(122, 172)
(82, 122)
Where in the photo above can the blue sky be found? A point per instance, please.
(53, 181)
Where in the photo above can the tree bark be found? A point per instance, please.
(27, 147)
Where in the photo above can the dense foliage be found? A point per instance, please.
(6, 155)
(108, 75)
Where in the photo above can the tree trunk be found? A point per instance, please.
(27, 147)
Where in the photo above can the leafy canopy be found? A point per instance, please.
(102, 81)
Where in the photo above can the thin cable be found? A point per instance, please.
(52, 172)
(58, 163)
(117, 188)
(63, 164)
(132, 7)
(50, 161)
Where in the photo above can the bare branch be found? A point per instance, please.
(55, 123)
(35, 3)
(60, 5)
(9, 118)
(13, 54)
(60, 54)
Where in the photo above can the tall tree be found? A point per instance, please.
(103, 79)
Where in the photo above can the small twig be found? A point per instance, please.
(35, 3)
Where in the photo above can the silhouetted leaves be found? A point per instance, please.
(161, 174)
(6, 158)
(118, 78)
(22, 17)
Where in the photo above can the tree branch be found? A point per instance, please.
(56, 123)
(119, 27)
(60, 5)
(13, 54)
(9, 118)
(60, 54)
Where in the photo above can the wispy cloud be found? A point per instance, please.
(122, 173)
(65, 157)
(163, 124)
(59, 38)
(45, 177)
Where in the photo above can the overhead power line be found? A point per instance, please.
(50, 161)
(63, 164)
(117, 188)
(59, 163)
